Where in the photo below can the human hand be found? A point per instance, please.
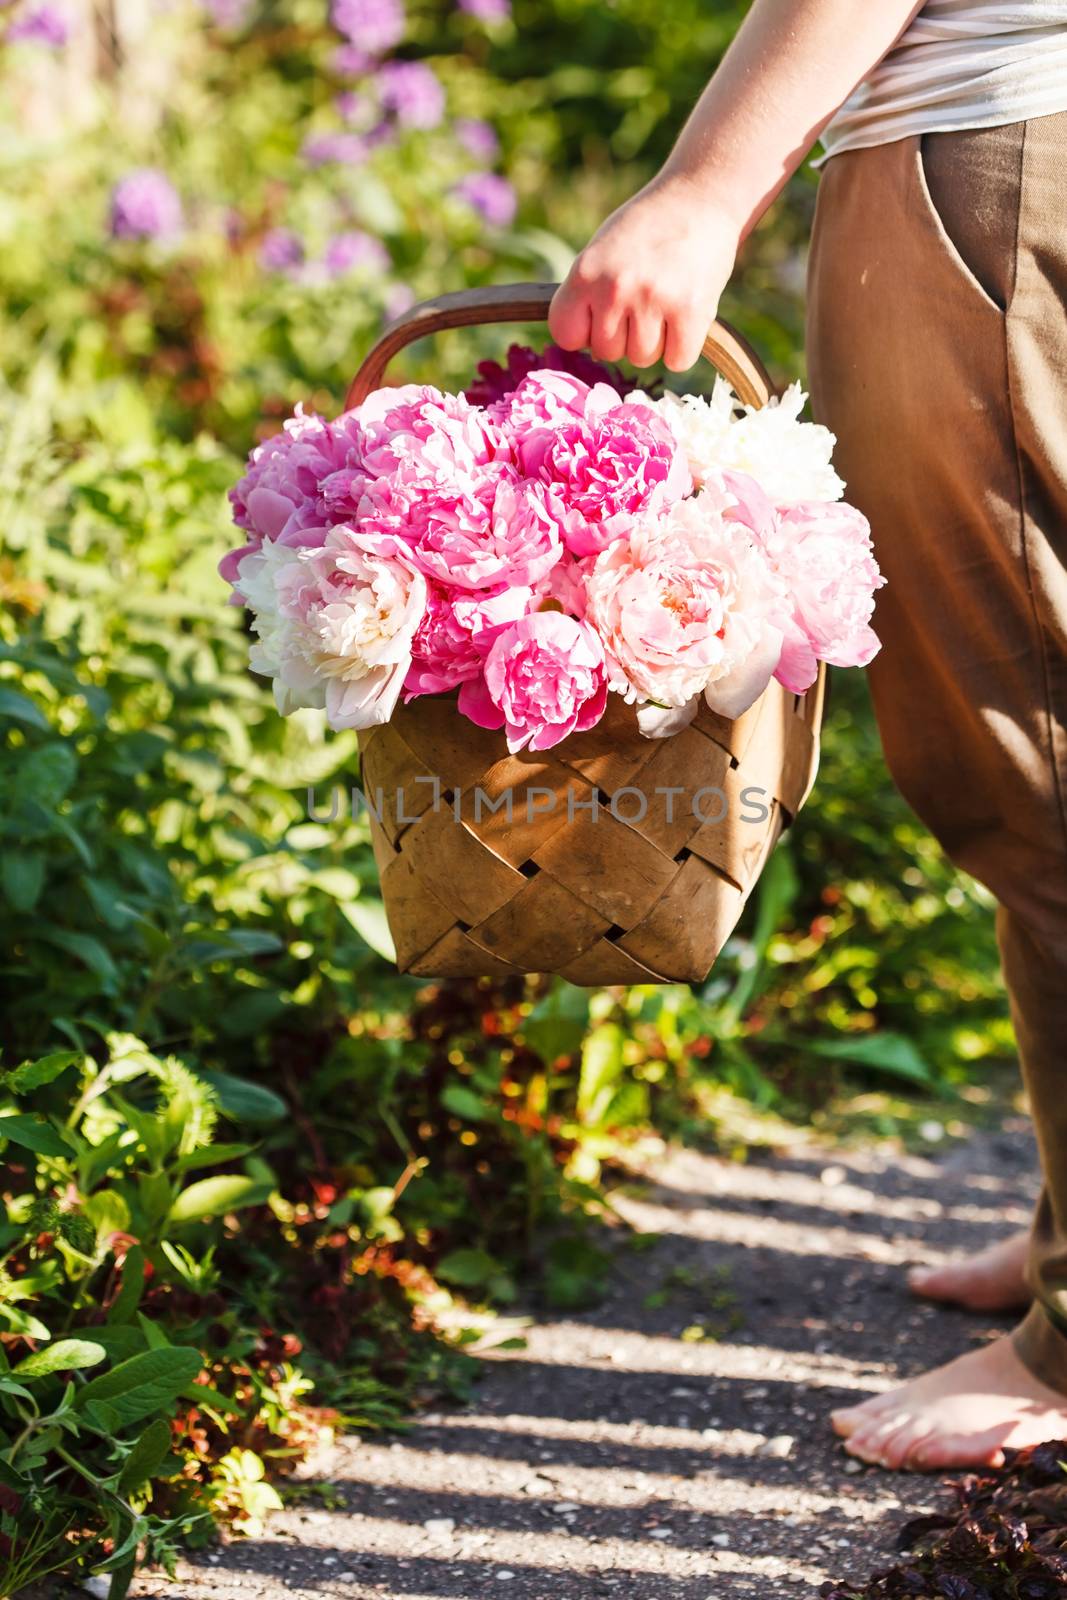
(647, 285)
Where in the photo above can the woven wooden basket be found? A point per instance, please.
(611, 858)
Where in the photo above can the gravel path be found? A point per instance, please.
(670, 1444)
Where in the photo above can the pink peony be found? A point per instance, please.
(281, 494)
(419, 435)
(822, 554)
(454, 636)
(687, 605)
(603, 469)
(544, 678)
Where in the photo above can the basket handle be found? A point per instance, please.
(724, 347)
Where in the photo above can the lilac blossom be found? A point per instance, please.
(282, 250)
(487, 10)
(325, 149)
(349, 61)
(351, 250)
(371, 25)
(351, 105)
(228, 13)
(412, 92)
(478, 138)
(43, 24)
(145, 205)
(490, 195)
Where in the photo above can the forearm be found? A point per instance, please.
(788, 69)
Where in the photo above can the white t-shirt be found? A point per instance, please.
(959, 64)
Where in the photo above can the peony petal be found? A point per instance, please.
(478, 706)
(733, 693)
(798, 665)
(659, 722)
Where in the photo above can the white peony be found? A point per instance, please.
(788, 458)
(335, 623)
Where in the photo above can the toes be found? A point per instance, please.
(939, 1452)
(868, 1442)
(846, 1419)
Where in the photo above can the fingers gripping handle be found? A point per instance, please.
(724, 348)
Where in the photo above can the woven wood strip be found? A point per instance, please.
(457, 956)
(612, 868)
(403, 785)
(458, 867)
(608, 756)
(688, 762)
(605, 962)
(696, 914)
(736, 848)
(417, 918)
(736, 736)
(538, 790)
(541, 927)
(458, 751)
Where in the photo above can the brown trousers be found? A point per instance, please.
(937, 343)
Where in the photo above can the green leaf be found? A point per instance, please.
(35, 1074)
(129, 1296)
(22, 877)
(468, 1269)
(557, 1024)
(121, 1341)
(64, 1355)
(213, 1197)
(87, 950)
(465, 1103)
(46, 774)
(143, 1385)
(878, 1052)
(15, 704)
(231, 944)
(35, 1134)
(370, 922)
(602, 1065)
(244, 1101)
(146, 1457)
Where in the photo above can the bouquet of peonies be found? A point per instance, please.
(543, 540)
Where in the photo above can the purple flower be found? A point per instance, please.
(145, 205)
(411, 91)
(323, 149)
(228, 13)
(281, 251)
(42, 25)
(351, 105)
(486, 10)
(490, 195)
(478, 138)
(349, 251)
(349, 61)
(371, 25)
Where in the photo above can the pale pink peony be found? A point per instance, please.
(687, 605)
(822, 555)
(544, 678)
(605, 469)
(453, 638)
(334, 625)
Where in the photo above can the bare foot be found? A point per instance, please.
(993, 1280)
(960, 1415)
